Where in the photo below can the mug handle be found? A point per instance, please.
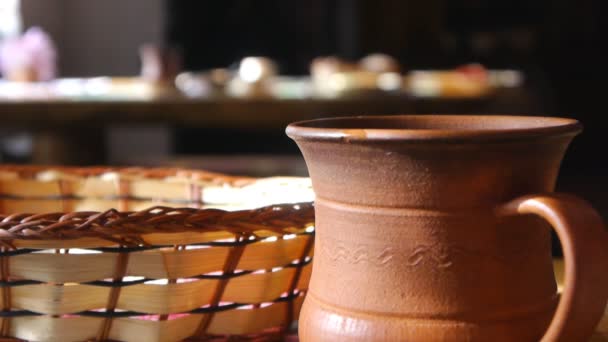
(585, 248)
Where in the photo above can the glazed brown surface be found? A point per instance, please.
(415, 241)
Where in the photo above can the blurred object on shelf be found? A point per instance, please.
(81, 89)
(159, 64)
(360, 83)
(380, 63)
(374, 76)
(31, 57)
(390, 81)
(105, 88)
(474, 71)
(211, 83)
(331, 77)
(256, 69)
(159, 67)
(505, 78)
(323, 69)
(292, 88)
(467, 81)
(334, 77)
(445, 84)
(253, 78)
(20, 91)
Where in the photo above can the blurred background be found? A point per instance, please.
(212, 84)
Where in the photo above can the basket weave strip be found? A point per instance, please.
(68, 287)
(6, 293)
(296, 280)
(160, 263)
(11, 205)
(62, 284)
(171, 298)
(83, 328)
(126, 228)
(228, 269)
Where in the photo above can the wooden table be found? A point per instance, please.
(217, 112)
(72, 131)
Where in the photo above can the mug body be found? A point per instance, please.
(409, 247)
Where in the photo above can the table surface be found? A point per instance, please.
(221, 112)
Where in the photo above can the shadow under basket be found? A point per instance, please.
(184, 255)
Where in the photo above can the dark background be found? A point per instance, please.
(557, 43)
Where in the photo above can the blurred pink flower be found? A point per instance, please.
(31, 56)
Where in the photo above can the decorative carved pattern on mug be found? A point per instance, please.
(439, 255)
(338, 252)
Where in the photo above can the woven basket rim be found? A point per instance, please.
(128, 227)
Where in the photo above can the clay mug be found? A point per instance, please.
(437, 228)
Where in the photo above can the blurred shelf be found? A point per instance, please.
(242, 113)
(75, 129)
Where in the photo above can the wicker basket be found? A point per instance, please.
(167, 265)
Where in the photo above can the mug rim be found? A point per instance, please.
(444, 127)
